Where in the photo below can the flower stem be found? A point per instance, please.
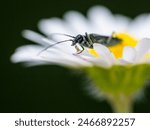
(121, 103)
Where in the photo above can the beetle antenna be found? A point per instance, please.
(53, 45)
(62, 34)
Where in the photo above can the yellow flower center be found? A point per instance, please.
(93, 52)
(117, 50)
(127, 40)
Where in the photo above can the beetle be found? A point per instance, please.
(88, 40)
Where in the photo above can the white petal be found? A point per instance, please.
(140, 26)
(102, 19)
(35, 37)
(61, 56)
(25, 53)
(104, 53)
(54, 25)
(77, 22)
(129, 54)
(142, 48)
(95, 61)
(66, 61)
(122, 23)
(30, 55)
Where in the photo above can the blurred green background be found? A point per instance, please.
(51, 88)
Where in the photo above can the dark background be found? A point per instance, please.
(51, 88)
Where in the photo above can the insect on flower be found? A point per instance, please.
(122, 58)
(88, 40)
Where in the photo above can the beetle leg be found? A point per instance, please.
(109, 39)
(78, 50)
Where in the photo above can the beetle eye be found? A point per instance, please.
(80, 39)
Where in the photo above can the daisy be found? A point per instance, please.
(118, 71)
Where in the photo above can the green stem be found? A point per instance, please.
(121, 103)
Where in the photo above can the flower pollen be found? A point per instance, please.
(127, 40)
(93, 52)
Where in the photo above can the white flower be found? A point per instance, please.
(99, 20)
(119, 71)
